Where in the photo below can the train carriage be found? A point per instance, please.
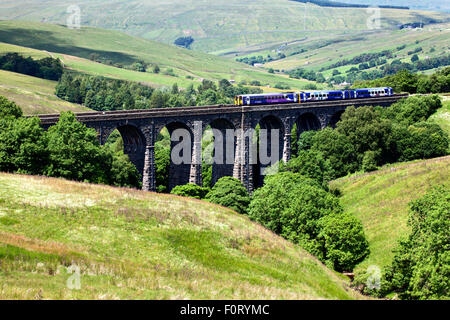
(310, 96)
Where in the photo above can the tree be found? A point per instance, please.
(343, 241)
(367, 131)
(311, 164)
(422, 140)
(413, 109)
(337, 149)
(184, 42)
(9, 109)
(75, 153)
(420, 269)
(230, 192)
(415, 58)
(23, 145)
(190, 190)
(156, 69)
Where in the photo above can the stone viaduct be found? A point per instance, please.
(139, 130)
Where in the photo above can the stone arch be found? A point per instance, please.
(307, 121)
(179, 173)
(134, 143)
(266, 148)
(335, 118)
(223, 149)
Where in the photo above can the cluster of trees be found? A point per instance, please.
(260, 59)
(368, 137)
(104, 94)
(405, 81)
(184, 42)
(362, 58)
(46, 68)
(301, 73)
(140, 65)
(68, 149)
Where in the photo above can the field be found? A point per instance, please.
(380, 200)
(218, 26)
(34, 95)
(319, 49)
(75, 47)
(137, 245)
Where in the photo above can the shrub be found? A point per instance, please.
(369, 162)
(230, 192)
(190, 190)
(9, 108)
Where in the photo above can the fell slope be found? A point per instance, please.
(34, 95)
(137, 245)
(216, 25)
(120, 48)
(380, 200)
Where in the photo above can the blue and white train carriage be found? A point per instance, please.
(304, 97)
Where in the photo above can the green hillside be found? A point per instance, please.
(34, 95)
(120, 48)
(434, 41)
(140, 245)
(216, 25)
(380, 200)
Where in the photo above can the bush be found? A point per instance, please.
(369, 162)
(230, 192)
(9, 109)
(420, 269)
(190, 190)
(343, 241)
(413, 109)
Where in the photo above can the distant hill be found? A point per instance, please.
(217, 26)
(130, 244)
(177, 65)
(336, 4)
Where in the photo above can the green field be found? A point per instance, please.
(218, 26)
(76, 46)
(322, 52)
(139, 245)
(34, 95)
(380, 200)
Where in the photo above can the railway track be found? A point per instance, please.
(213, 109)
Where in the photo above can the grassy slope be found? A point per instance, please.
(442, 116)
(380, 200)
(34, 95)
(122, 48)
(133, 244)
(236, 24)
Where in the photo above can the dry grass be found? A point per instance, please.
(131, 244)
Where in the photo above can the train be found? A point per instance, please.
(309, 96)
